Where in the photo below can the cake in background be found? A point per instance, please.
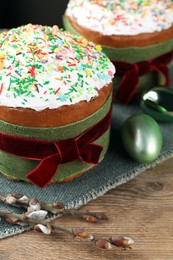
(137, 35)
(55, 104)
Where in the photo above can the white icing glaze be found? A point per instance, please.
(42, 67)
(122, 17)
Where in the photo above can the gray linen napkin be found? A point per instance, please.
(116, 168)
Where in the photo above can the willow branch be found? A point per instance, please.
(46, 227)
(54, 208)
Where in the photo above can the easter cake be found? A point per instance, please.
(131, 32)
(55, 104)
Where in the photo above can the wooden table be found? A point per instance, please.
(141, 209)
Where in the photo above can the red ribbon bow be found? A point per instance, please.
(51, 154)
(130, 73)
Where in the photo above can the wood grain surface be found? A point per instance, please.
(141, 209)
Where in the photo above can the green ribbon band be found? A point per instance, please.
(17, 168)
(57, 133)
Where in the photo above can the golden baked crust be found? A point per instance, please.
(54, 117)
(123, 41)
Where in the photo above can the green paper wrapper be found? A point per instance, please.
(17, 168)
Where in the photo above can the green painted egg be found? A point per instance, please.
(142, 138)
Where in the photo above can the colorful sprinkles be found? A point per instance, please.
(122, 17)
(45, 67)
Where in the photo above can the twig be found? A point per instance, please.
(46, 226)
(54, 208)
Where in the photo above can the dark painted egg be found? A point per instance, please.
(158, 103)
(142, 138)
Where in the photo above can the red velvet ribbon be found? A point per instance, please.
(51, 154)
(130, 73)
